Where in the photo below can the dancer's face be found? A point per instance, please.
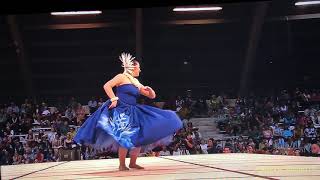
(136, 70)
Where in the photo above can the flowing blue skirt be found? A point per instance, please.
(128, 126)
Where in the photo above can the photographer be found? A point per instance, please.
(190, 144)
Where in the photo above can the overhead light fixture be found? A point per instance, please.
(197, 9)
(304, 3)
(75, 13)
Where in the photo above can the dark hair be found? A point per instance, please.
(135, 62)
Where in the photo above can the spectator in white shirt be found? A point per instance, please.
(204, 147)
(176, 151)
(164, 152)
(196, 135)
(46, 112)
(51, 135)
(310, 132)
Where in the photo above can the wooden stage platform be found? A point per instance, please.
(214, 166)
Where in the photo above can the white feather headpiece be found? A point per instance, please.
(127, 62)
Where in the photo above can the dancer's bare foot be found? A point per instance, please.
(123, 168)
(135, 166)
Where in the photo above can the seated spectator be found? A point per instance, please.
(179, 103)
(283, 108)
(277, 130)
(68, 142)
(204, 147)
(72, 132)
(30, 138)
(17, 158)
(267, 133)
(64, 128)
(263, 144)
(39, 158)
(176, 151)
(50, 156)
(100, 102)
(198, 149)
(57, 145)
(251, 143)
(315, 149)
(298, 131)
(45, 112)
(250, 149)
(227, 150)
(287, 133)
(254, 134)
(185, 112)
(196, 135)
(288, 120)
(296, 152)
(93, 105)
(212, 149)
(51, 135)
(310, 131)
(190, 144)
(164, 152)
(80, 114)
(189, 127)
(185, 122)
(228, 144)
(13, 108)
(28, 156)
(70, 113)
(306, 147)
(297, 143)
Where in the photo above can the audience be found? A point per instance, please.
(287, 124)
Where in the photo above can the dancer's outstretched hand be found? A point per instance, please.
(113, 104)
(147, 88)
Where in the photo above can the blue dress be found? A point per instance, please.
(128, 124)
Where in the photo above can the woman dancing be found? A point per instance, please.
(122, 124)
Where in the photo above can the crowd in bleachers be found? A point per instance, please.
(34, 132)
(286, 124)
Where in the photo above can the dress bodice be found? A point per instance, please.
(128, 93)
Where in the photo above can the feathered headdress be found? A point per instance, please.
(127, 62)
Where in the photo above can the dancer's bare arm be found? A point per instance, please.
(148, 91)
(116, 81)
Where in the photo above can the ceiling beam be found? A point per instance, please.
(296, 17)
(77, 26)
(68, 43)
(173, 22)
(221, 20)
(199, 21)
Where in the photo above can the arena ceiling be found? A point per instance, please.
(75, 55)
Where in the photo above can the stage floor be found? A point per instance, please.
(215, 166)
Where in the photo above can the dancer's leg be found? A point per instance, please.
(133, 158)
(122, 158)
